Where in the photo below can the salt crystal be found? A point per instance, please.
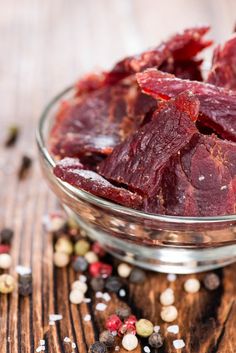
(173, 329)
(178, 344)
(156, 328)
(171, 277)
(101, 307)
(106, 297)
(87, 300)
(55, 317)
(201, 178)
(87, 317)
(122, 293)
(42, 342)
(114, 333)
(67, 340)
(73, 345)
(43, 348)
(146, 349)
(23, 270)
(117, 348)
(51, 323)
(82, 278)
(224, 187)
(99, 295)
(38, 349)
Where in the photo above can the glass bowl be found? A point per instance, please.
(156, 242)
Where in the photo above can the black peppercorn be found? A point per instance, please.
(80, 264)
(25, 278)
(155, 340)
(97, 284)
(107, 338)
(137, 276)
(211, 281)
(123, 311)
(6, 235)
(113, 284)
(98, 347)
(25, 289)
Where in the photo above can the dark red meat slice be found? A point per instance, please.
(138, 161)
(89, 83)
(71, 171)
(180, 47)
(223, 71)
(96, 122)
(217, 105)
(187, 70)
(200, 180)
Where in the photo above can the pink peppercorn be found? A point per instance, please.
(100, 269)
(4, 249)
(131, 320)
(127, 328)
(113, 323)
(96, 247)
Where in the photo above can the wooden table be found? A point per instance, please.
(45, 45)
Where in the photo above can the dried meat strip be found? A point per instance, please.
(180, 47)
(200, 180)
(217, 105)
(223, 71)
(71, 171)
(138, 161)
(96, 122)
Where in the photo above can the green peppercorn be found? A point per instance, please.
(82, 246)
(7, 283)
(63, 244)
(144, 328)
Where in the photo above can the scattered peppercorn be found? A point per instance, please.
(80, 264)
(98, 347)
(129, 342)
(76, 296)
(124, 270)
(4, 249)
(113, 284)
(211, 281)
(144, 328)
(82, 286)
(63, 244)
(82, 246)
(13, 133)
(25, 278)
(5, 261)
(25, 289)
(97, 284)
(155, 340)
(167, 297)
(192, 285)
(107, 338)
(137, 276)
(91, 257)
(100, 269)
(123, 311)
(169, 313)
(7, 283)
(113, 323)
(6, 235)
(61, 259)
(26, 163)
(96, 247)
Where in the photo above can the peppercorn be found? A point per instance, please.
(98, 347)
(91, 257)
(167, 297)
(113, 323)
(137, 276)
(61, 259)
(123, 311)
(129, 342)
(131, 320)
(25, 289)
(5, 261)
(96, 247)
(4, 249)
(113, 284)
(82, 246)
(63, 244)
(124, 270)
(100, 269)
(192, 285)
(155, 340)
(97, 284)
(107, 338)
(76, 296)
(82, 286)
(144, 328)
(169, 313)
(211, 281)
(7, 283)
(25, 278)
(6, 235)
(80, 264)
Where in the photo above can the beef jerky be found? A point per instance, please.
(138, 161)
(223, 71)
(187, 69)
(200, 180)
(96, 122)
(180, 47)
(217, 105)
(89, 83)
(71, 170)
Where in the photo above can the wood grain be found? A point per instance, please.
(45, 45)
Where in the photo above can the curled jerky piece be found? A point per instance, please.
(98, 121)
(71, 171)
(223, 71)
(138, 161)
(180, 47)
(200, 180)
(217, 105)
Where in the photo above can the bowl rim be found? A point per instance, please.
(98, 201)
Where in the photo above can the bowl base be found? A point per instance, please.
(160, 259)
